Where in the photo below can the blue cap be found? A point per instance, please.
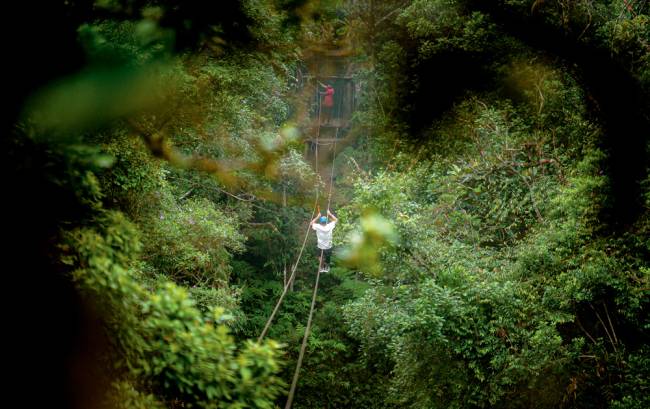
(322, 219)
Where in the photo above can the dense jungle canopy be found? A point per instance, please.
(487, 161)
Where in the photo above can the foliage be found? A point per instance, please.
(481, 261)
(161, 337)
(497, 199)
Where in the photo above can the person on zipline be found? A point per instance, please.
(328, 103)
(324, 236)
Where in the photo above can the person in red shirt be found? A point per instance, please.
(328, 103)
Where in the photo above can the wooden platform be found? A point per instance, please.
(334, 123)
(323, 140)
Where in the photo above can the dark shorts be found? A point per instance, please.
(327, 255)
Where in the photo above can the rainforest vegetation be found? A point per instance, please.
(491, 184)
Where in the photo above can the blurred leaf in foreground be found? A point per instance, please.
(365, 244)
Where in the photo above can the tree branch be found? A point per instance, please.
(611, 340)
(584, 330)
(189, 192)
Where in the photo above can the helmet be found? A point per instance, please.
(323, 219)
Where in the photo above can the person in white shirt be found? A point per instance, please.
(324, 236)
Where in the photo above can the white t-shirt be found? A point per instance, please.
(324, 234)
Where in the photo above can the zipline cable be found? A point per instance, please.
(288, 283)
(329, 196)
(336, 138)
(303, 347)
(305, 338)
(302, 248)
